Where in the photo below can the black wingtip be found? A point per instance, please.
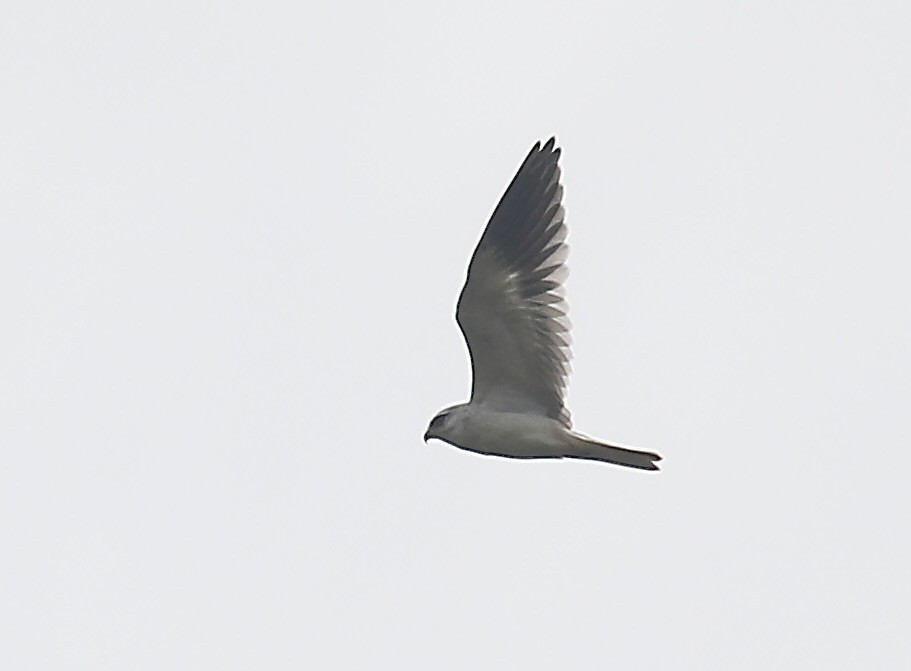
(550, 144)
(532, 154)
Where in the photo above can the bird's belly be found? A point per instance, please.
(512, 435)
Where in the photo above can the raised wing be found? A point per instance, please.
(512, 310)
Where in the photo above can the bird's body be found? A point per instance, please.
(513, 315)
(506, 434)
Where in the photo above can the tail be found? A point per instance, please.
(583, 447)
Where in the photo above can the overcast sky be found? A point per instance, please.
(233, 235)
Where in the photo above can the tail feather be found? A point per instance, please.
(583, 447)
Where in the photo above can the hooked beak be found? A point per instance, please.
(426, 436)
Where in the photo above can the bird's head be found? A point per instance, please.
(441, 425)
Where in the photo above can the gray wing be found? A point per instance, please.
(512, 310)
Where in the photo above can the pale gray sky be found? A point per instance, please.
(232, 240)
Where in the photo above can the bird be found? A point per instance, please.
(512, 312)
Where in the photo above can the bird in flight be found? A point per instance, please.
(512, 312)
